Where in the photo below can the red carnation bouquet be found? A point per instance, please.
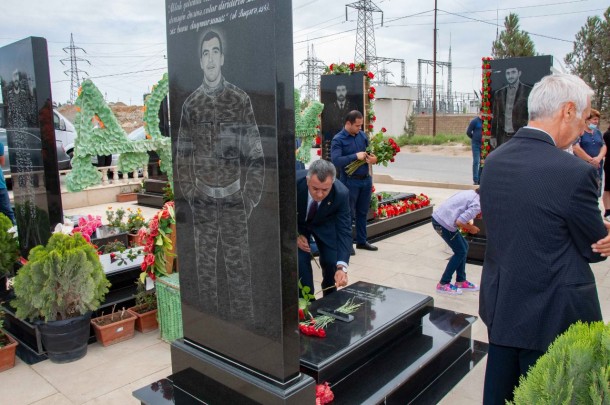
(383, 149)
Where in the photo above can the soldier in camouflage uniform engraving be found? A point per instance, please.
(220, 169)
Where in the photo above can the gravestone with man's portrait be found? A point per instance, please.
(232, 113)
(340, 94)
(28, 119)
(512, 80)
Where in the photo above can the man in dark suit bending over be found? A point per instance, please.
(544, 227)
(323, 211)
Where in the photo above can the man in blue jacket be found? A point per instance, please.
(544, 227)
(323, 212)
(475, 133)
(347, 146)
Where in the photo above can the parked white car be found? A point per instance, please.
(63, 160)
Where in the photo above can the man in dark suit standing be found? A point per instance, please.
(544, 227)
(323, 212)
(510, 107)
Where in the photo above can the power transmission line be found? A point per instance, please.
(313, 70)
(73, 72)
(365, 34)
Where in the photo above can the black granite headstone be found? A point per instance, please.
(232, 113)
(340, 94)
(28, 108)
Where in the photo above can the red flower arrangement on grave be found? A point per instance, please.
(486, 106)
(384, 149)
(393, 209)
(157, 242)
(314, 326)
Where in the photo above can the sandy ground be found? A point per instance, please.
(439, 150)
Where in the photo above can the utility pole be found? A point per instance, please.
(434, 77)
(73, 72)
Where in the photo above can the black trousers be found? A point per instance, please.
(504, 367)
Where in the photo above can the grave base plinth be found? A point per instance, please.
(206, 378)
(397, 347)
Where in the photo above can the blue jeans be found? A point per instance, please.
(458, 244)
(476, 162)
(359, 201)
(5, 205)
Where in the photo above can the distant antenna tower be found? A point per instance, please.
(365, 34)
(313, 69)
(73, 72)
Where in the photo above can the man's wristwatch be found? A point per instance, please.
(343, 268)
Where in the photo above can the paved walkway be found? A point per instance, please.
(413, 260)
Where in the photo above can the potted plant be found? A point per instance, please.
(57, 289)
(114, 327)
(127, 221)
(9, 248)
(145, 309)
(8, 347)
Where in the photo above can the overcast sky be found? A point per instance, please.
(125, 41)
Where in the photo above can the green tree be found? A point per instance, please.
(512, 42)
(590, 58)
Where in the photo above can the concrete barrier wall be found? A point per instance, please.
(454, 124)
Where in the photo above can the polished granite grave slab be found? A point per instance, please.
(24, 73)
(426, 361)
(385, 314)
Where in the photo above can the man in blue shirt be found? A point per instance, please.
(5, 204)
(347, 146)
(474, 132)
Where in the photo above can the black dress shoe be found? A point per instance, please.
(352, 252)
(366, 246)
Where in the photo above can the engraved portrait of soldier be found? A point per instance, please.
(220, 172)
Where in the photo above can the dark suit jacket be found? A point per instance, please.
(541, 212)
(331, 226)
(333, 119)
(520, 114)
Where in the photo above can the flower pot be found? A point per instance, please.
(135, 240)
(126, 197)
(66, 340)
(114, 328)
(146, 321)
(7, 352)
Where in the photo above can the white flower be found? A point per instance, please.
(66, 227)
(13, 230)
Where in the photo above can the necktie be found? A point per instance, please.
(311, 213)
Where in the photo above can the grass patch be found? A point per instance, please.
(439, 139)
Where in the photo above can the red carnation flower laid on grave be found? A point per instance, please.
(311, 326)
(352, 66)
(331, 67)
(319, 152)
(324, 395)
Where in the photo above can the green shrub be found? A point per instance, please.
(61, 280)
(439, 139)
(574, 370)
(9, 246)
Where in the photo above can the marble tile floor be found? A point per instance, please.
(413, 260)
